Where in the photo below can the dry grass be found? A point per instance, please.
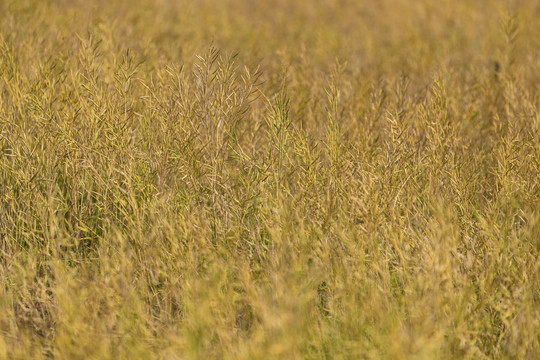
(235, 180)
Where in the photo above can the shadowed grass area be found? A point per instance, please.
(288, 180)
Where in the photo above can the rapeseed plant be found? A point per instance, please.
(277, 180)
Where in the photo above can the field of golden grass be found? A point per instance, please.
(269, 180)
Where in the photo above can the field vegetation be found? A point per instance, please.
(273, 179)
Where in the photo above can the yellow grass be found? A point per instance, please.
(269, 180)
